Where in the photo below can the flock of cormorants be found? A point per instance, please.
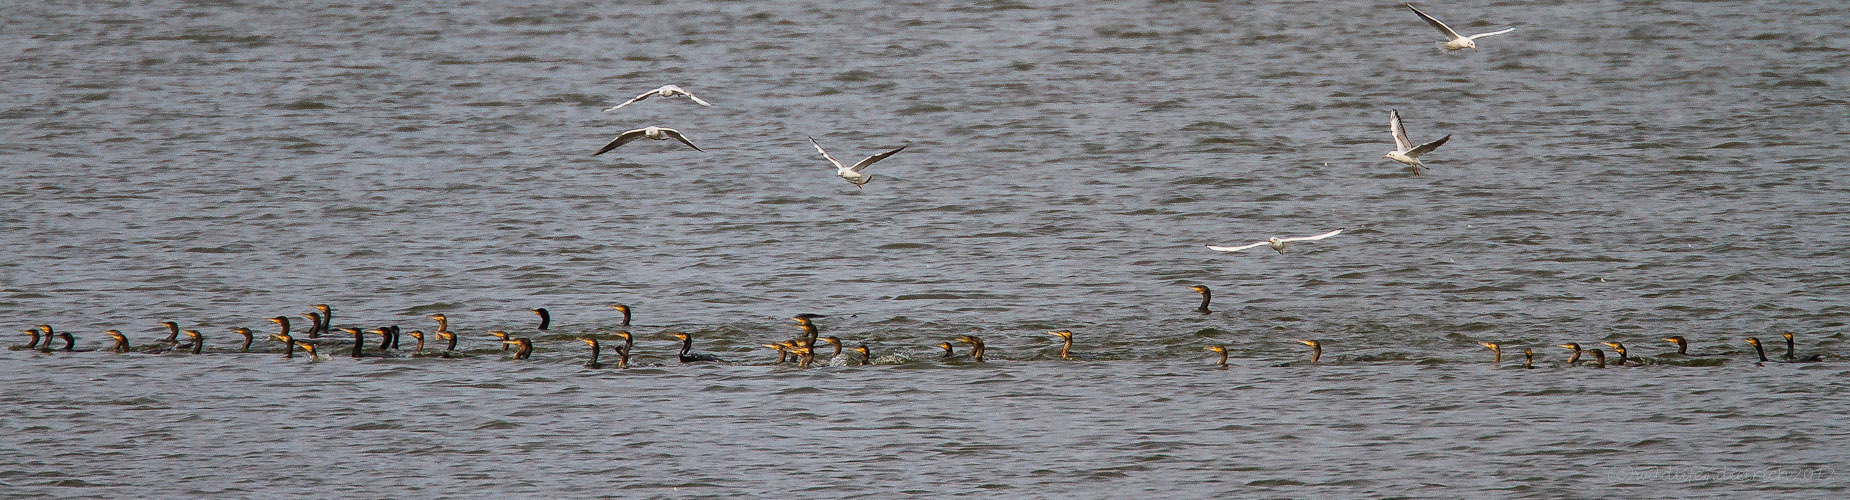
(800, 350)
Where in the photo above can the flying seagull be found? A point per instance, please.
(1456, 41)
(853, 174)
(1404, 151)
(657, 133)
(1276, 243)
(663, 91)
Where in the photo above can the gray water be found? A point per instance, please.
(1618, 171)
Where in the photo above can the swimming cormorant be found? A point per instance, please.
(545, 317)
(310, 348)
(626, 313)
(866, 355)
(249, 337)
(594, 352)
(199, 341)
(687, 347)
(121, 344)
(1206, 296)
(948, 351)
(288, 344)
(316, 328)
(505, 338)
(419, 335)
(526, 347)
(1574, 359)
(1682, 344)
(1619, 348)
(1792, 358)
(1222, 351)
(1496, 352)
(34, 332)
(1316, 349)
(1599, 358)
(976, 346)
(1528, 358)
(1066, 342)
(327, 317)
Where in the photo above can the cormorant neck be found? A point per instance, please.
(1223, 359)
(1316, 352)
(1206, 297)
(1066, 347)
(173, 332)
(687, 344)
(1789, 354)
(452, 339)
(1761, 352)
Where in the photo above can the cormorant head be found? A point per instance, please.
(804, 319)
(417, 334)
(861, 349)
(1620, 348)
(832, 340)
(500, 335)
(322, 307)
(1063, 334)
(1569, 346)
(623, 335)
(1674, 339)
(445, 334)
(169, 324)
(192, 334)
(621, 308)
(280, 320)
(1754, 341)
(1199, 289)
(1218, 349)
(589, 342)
(1492, 346)
(681, 337)
(945, 345)
(1312, 343)
(1787, 336)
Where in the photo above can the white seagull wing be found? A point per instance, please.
(626, 103)
(1481, 35)
(825, 154)
(862, 165)
(1401, 143)
(676, 134)
(1238, 248)
(690, 95)
(623, 138)
(1447, 30)
(1428, 147)
(1314, 238)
